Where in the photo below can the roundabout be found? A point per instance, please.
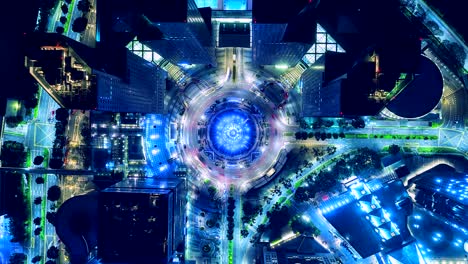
(230, 134)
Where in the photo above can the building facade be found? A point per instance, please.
(187, 36)
(281, 34)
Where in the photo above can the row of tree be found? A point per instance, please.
(45, 7)
(17, 209)
(52, 253)
(327, 179)
(303, 135)
(86, 148)
(230, 218)
(343, 123)
(56, 161)
(80, 23)
(13, 154)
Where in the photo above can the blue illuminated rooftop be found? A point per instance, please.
(371, 219)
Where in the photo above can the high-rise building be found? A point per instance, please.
(281, 32)
(186, 35)
(322, 86)
(142, 221)
(80, 77)
(177, 30)
(443, 191)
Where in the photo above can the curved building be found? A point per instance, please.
(77, 227)
(422, 94)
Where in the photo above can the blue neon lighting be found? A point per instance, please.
(233, 133)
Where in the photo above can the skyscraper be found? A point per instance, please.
(176, 29)
(142, 220)
(80, 77)
(281, 32)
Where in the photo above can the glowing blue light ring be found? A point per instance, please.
(232, 133)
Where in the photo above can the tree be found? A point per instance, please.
(358, 123)
(53, 194)
(323, 136)
(317, 123)
(249, 210)
(61, 114)
(63, 19)
(38, 160)
(39, 180)
(59, 30)
(37, 221)
(64, 8)
(341, 169)
(244, 233)
(51, 217)
(457, 50)
(317, 135)
(13, 154)
(37, 231)
(393, 149)
(79, 25)
(30, 102)
(53, 252)
(297, 135)
(325, 180)
(328, 123)
(13, 121)
(279, 218)
(37, 200)
(434, 28)
(36, 259)
(342, 123)
(212, 192)
(261, 228)
(365, 159)
(17, 258)
(301, 195)
(298, 225)
(84, 6)
(341, 135)
(55, 163)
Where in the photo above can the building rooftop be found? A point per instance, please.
(426, 86)
(276, 11)
(376, 221)
(137, 219)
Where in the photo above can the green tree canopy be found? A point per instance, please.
(299, 225)
(13, 154)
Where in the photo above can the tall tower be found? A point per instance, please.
(282, 32)
(142, 220)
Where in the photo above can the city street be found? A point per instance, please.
(37, 136)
